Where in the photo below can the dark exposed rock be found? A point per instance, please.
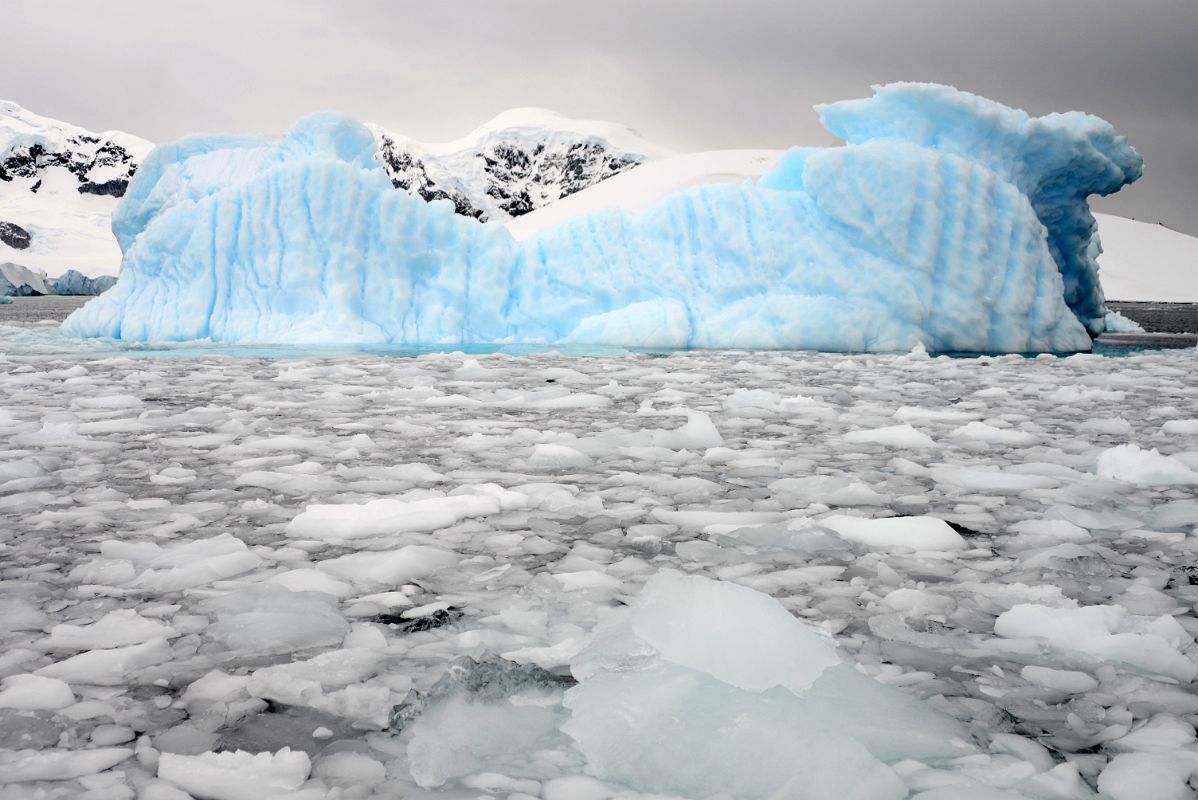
(15, 236)
(113, 188)
(524, 180)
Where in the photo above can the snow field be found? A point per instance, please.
(715, 546)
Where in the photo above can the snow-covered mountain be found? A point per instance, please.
(58, 186)
(521, 161)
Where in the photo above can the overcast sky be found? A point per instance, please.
(690, 74)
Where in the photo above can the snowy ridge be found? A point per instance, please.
(522, 160)
(882, 244)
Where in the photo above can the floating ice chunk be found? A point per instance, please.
(1059, 680)
(114, 629)
(1106, 632)
(184, 566)
(1162, 734)
(236, 775)
(24, 766)
(985, 480)
(916, 533)
(1161, 776)
(918, 603)
(349, 770)
(900, 436)
(33, 692)
(1052, 530)
(1180, 427)
(326, 683)
(346, 521)
(269, 618)
(378, 570)
(308, 579)
(18, 614)
(981, 432)
(916, 414)
(484, 714)
(219, 699)
(832, 490)
(1130, 464)
(557, 455)
(111, 667)
(703, 688)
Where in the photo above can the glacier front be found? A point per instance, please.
(946, 220)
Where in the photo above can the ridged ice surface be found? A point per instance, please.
(965, 229)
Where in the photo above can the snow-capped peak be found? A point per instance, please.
(521, 160)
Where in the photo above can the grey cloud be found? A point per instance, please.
(696, 74)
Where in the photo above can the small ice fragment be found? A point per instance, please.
(236, 775)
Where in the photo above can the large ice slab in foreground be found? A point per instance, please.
(947, 220)
(707, 688)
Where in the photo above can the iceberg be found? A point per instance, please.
(945, 220)
(74, 282)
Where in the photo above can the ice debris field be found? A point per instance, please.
(946, 220)
(732, 575)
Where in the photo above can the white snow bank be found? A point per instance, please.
(1144, 261)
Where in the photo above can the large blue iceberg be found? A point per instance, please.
(946, 220)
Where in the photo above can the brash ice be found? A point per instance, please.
(946, 220)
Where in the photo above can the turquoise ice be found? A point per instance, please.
(946, 220)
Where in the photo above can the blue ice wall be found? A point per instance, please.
(1056, 160)
(946, 220)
